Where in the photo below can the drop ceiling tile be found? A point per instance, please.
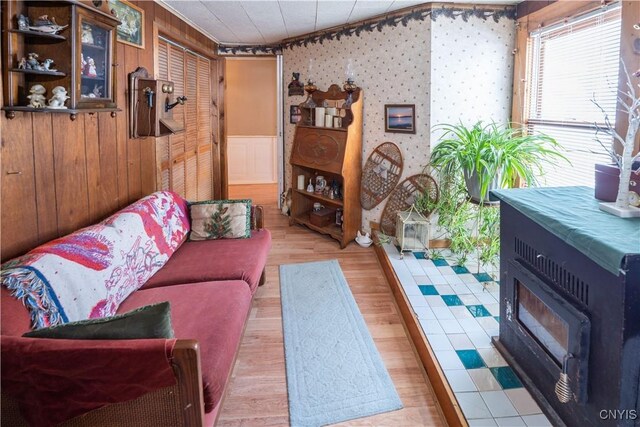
(267, 18)
(269, 21)
(232, 14)
(299, 16)
(365, 9)
(333, 13)
(200, 16)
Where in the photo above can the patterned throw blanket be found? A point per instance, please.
(88, 273)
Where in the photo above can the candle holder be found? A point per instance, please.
(349, 87)
(310, 87)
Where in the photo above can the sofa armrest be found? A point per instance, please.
(180, 404)
(257, 217)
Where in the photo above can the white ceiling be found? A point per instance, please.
(270, 21)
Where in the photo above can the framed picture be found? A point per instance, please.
(294, 114)
(400, 118)
(131, 28)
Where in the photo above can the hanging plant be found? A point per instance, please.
(492, 156)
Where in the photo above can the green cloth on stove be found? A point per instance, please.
(572, 214)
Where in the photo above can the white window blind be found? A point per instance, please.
(571, 64)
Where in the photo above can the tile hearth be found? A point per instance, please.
(459, 313)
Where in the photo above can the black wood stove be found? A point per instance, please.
(570, 322)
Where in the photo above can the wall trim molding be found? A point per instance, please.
(432, 11)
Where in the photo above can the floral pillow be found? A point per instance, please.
(220, 219)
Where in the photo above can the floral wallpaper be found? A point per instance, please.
(472, 71)
(450, 69)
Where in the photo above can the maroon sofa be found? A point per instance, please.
(210, 285)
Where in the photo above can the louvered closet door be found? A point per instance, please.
(204, 133)
(185, 164)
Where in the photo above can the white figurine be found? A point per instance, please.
(310, 188)
(37, 99)
(32, 61)
(46, 64)
(96, 93)
(87, 35)
(23, 22)
(59, 97)
(46, 25)
(90, 68)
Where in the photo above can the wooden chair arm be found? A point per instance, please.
(178, 405)
(257, 217)
(186, 365)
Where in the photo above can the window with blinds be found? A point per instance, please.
(571, 65)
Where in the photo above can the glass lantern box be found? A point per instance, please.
(412, 231)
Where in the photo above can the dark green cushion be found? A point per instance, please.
(151, 321)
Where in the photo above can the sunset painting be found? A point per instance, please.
(400, 118)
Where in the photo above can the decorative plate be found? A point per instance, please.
(403, 196)
(380, 175)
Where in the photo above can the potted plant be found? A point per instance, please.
(627, 202)
(470, 161)
(492, 156)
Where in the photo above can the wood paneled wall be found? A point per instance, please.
(59, 175)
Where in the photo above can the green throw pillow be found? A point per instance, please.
(220, 219)
(150, 321)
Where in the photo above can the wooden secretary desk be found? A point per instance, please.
(334, 153)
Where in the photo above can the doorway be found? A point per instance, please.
(252, 128)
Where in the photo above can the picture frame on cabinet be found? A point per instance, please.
(295, 115)
(131, 28)
(400, 118)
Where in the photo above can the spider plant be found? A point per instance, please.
(490, 156)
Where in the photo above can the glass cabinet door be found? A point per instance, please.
(95, 80)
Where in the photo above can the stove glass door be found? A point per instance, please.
(551, 332)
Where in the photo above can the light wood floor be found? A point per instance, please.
(257, 394)
(261, 194)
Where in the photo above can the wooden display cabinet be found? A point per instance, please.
(335, 154)
(91, 88)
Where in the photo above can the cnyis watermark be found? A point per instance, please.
(618, 414)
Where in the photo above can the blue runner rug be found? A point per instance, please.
(334, 371)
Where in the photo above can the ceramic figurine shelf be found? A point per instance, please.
(39, 72)
(83, 55)
(29, 33)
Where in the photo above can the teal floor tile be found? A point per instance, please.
(497, 318)
(452, 300)
(458, 269)
(428, 289)
(506, 377)
(440, 263)
(420, 255)
(471, 359)
(478, 311)
(483, 277)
